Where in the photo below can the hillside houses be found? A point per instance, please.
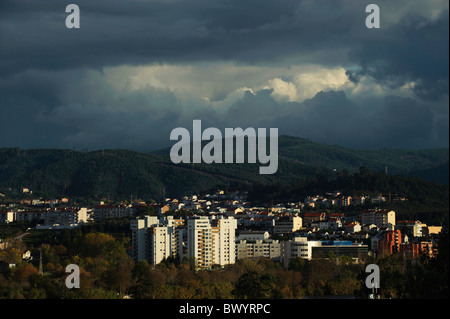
(380, 218)
(313, 217)
(103, 212)
(279, 231)
(63, 216)
(337, 199)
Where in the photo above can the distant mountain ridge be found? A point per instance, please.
(397, 161)
(125, 174)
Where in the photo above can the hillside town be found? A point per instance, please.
(215, 230)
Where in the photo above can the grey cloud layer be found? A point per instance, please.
(53, 110)
(49, 95)
(135, 31)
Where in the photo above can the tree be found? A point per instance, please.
(297, 264)
(11, 255)
(141, 271)
(251, 285)
(4, 268)
(248, 286)
(119, 278)
(22, 272)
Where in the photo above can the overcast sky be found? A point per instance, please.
(136, 69)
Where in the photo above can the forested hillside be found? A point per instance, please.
(119, 174)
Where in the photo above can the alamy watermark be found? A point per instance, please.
(373, 279)
(372, 20)
(212, 152)
(73, 279)
(73, 19)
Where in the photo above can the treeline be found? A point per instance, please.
(106, 271)
(120, 174)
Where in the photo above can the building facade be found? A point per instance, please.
(410, 227)
(206, 240)
(139, 227)
(159, 244)
(102, 212)
(211, 241)
(66, 217)
(312, 217)
(339, 249)
(7, 217)
(380, 218)
(258, 249)
(301, 247)
(390, 242)
(287, 225)
(297, 247)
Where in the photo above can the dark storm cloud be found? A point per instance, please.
(116, 32)
(133, 32)
(415, 50)
(330, 117)
(76, 108)
(80, 109)
(50, 96)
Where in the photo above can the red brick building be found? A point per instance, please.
(390, 243)
(411, 250)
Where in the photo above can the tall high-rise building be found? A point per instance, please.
(225, 228)
(206, 240)
(199, 241)
(211, 241)
(159, 244)
(175, 231)
(139, 229)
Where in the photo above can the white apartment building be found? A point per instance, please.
(66, 217)
(7, 217)
(297, 247)
(380, 218)
(258, 249)
(155, 240)
(139, 236)
(211, 241)
(253, 235)
(176, 227)
(208, 240)
(199, 241)
(159, 244)
(287, 225)
(413, 227)
(225, 253)
(102, 212)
